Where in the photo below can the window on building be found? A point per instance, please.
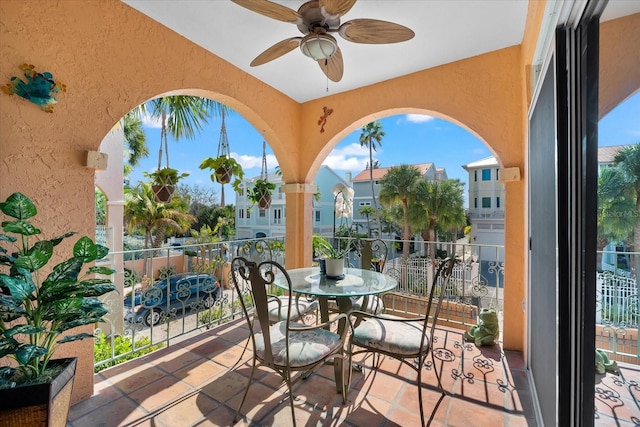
(486, 202)
(475, 176)
(262, 213)
(248, 213)
(497, 174)
(365, 203)
(317, 216)
(486, 174)
(475, 202)
(241, 213)
(497, 202)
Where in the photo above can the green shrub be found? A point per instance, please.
(121, 345)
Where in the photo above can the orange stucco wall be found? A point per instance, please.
(112, 58)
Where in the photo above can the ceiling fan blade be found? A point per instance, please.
(271, 10)
(276, 51)
(332, 67)
(336, 7)
(374, 31)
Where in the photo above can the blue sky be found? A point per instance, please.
(409, 139)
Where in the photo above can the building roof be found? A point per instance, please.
(606, 154)
(487, 161)
(379, 173)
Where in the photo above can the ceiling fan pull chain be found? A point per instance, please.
(326, 63)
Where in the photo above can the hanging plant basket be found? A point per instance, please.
(163, 193)
(264, 202)
(223, 175)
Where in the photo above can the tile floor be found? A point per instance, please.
(199, 382)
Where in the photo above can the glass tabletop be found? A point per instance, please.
(356, 282)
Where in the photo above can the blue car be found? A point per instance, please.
(185, 291)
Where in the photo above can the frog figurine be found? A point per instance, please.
(487, 330)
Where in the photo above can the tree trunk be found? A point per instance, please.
(222, 196)
(405, 231)
(373, 193)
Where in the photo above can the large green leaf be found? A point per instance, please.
(7, 238)
(58, 239)
(18, 287)
(59, 290)
(10, 308)
(23, 329)
(23, 228)
(101, 270)
(27, 352)
(37, 257)
(8, 346)
(18, 206)
(103, 251)
(97, 290)
(85, 249)
(76, 337)
(65, 271)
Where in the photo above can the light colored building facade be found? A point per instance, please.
(362, 189)
(252, 221)
(486, 203)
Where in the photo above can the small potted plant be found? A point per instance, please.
(260, 193)
(163, 183)
(333, 256)
(224, 168)
(38, 306)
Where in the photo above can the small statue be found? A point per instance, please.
(487, 330)
(603, 364)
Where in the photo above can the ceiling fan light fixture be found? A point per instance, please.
(318, 46)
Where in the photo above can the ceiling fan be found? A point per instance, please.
(316, 19)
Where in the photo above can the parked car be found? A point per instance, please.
(184, 290)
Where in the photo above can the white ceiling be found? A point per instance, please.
(445, 31)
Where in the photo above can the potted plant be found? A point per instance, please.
(260, 193)
(163, 182)
(333, 256)
(36, 312)
(224, 168)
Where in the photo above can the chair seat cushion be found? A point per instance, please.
(299, 307)
(305, 347)
(401, 338)
(374, 304)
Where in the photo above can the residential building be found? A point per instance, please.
(252, 221)
(486, 204)
(532, 90)
(362, 189)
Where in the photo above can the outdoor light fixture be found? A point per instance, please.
(318, 46)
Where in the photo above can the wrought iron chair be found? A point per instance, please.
(374, 253)
(285, 346)
(408, 340)
(259, 251)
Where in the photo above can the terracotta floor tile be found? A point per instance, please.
(222, 416)
(434, 404)
(172, 361)
(103, 394)
(164, 391)
(129, 381)
(403, 417)
(119, 412)
(368, 411)
(231, 355)
(377, 383)
(199, 373)
(467, 414)
(318, 392)
(260, 401)
(225, 386)
(187, 411)
(208, 348)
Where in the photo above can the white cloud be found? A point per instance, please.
(248, 161)
(351, 150)
(341, 162)
(418, 118)
(149, 122)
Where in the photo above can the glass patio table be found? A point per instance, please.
(356, 283)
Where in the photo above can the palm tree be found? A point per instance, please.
(367, 211)
(180, 115)
(628, 160)
(397, 187)
(141, 210)
(134, 138)
(371, 137)
(438, 203)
